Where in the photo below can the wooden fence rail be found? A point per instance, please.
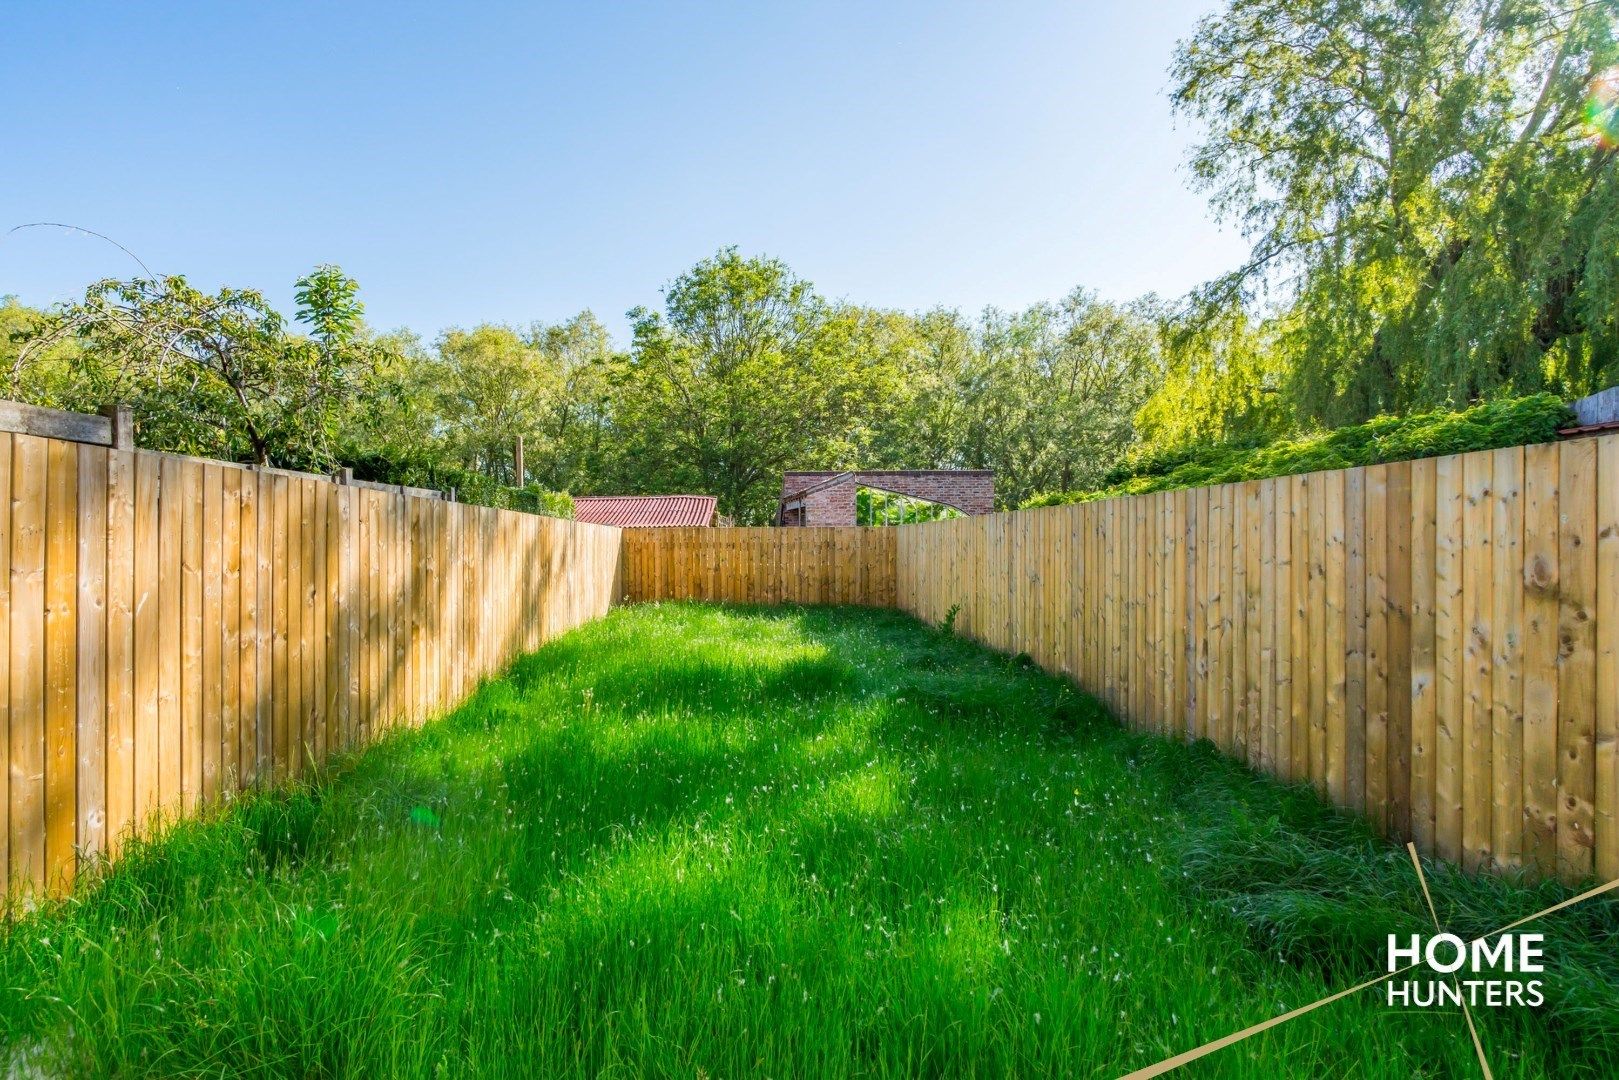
(843, 565)
(172, 630)
(1432, 643)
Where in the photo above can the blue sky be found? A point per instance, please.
(509, 163)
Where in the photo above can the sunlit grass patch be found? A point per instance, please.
(690, 840)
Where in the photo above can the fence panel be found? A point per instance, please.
(1432, 643)
(841, 565)
(173, 630)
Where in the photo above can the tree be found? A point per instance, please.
(217, 375)
(490, 385)
(746, 373)
(1420, 191)
(37, 372)
(1222, 382)
(1045, 397)
(575, 449)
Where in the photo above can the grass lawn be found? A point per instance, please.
(713, 842)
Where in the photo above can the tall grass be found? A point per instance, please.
(702, 842)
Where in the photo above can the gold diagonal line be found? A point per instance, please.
(1478, 1047)
(1422, 879)
(1467, 1011)
(1208, 1048)
(1570, 902)
(1169, 1064)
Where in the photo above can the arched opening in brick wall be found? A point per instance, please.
(879, 506)
(832, 498)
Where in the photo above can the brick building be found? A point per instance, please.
(828, 498)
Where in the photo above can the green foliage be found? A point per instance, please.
(427, 469)
(456, 409)
(1487, 426)
(744, 374)
(873, 506)
(38, 371)
(489, 385)
(1045, 397)
(216, 375)
(793, 843)
(1223, 380)
(1422, 191)
(537, 500)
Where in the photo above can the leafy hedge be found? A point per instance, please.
(469, 486)
(1486, 426)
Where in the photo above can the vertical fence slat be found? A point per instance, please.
(1506, 690)
(1478, 660)
(284, 608)
(91, 650)
(1281, 643)
(1424, 677)
(1576, 670)
(1540, 648)
(7, 825)
(1336, 659)
(191, 616)
(27, 688)
(121, 655)
(250, 710)
(1357, 624)
(1374, 752)
(1253, 627)
(320, 627)
(300, 625)
(1449, 663)
(211, 534)
(1397, 665)
(230, 631)
(1607, 661)
(61, 662)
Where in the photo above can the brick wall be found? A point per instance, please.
(972, 491)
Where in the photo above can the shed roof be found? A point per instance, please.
(645, 511)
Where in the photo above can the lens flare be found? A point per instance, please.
(1602, 110)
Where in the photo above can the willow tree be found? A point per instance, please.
(1424, 190)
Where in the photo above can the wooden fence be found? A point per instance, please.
(844, 565)
(172, 630)
(1433, 643)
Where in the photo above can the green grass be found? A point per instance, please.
(693, 841)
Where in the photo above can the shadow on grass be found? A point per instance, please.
(739, 840)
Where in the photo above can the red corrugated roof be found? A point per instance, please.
(1589, 429)
(645, 511)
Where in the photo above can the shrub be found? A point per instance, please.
(1486, 426)
(469, 486)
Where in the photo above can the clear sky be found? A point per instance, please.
(473, 162)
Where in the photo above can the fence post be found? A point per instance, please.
(123, 425)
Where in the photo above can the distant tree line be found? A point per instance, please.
(743, 373)
(1429, 188)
